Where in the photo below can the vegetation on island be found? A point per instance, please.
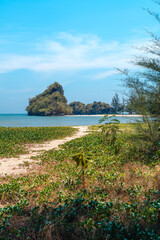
(52, 102)
(117, 106)
(49, 103)
(80, 108)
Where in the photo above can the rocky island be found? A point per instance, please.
(51, 102)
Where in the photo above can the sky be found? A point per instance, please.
(77, 43)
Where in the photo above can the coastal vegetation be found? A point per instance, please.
(14, 140)
(117, 106)
(118, 200)
(144, 88)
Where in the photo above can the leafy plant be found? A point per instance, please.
(109, 129)
(83, 160)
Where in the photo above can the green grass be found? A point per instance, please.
(13, 140)
(120, 199)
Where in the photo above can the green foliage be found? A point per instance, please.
(116, 105)
(78, 107)
(12, 140)
(51, 102)
(144, 87)
(92, 108)
(109, 129)
(98, 108)
(83, 219)
(83, 160)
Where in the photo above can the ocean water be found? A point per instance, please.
(23, 120)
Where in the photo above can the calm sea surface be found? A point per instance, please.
(23, 120)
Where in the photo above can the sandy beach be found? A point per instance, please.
(109, 115)
(24, 163)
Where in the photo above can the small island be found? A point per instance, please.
(52, 102)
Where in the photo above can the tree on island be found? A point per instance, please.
(98, 108)
(51, 102)
(91, 108)
(116, 105)
(78, 108)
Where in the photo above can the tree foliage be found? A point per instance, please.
(144, 86)
(91, 108)
(78, 107)
(116, 105)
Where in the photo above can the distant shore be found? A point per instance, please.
(102, 115)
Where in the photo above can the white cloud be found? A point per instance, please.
(103, 75)
(67, 52)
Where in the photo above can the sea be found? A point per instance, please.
(23, 120)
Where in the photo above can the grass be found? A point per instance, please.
(125, 127)
(13, 141)
(120, 199)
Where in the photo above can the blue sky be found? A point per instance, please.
(77, 43)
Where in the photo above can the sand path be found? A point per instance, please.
(24, 163)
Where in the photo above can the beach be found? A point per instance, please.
(24, 163)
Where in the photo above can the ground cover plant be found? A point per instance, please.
(13, 140)
(120, 199)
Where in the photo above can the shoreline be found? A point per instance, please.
(109, 115)
(76, 115)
